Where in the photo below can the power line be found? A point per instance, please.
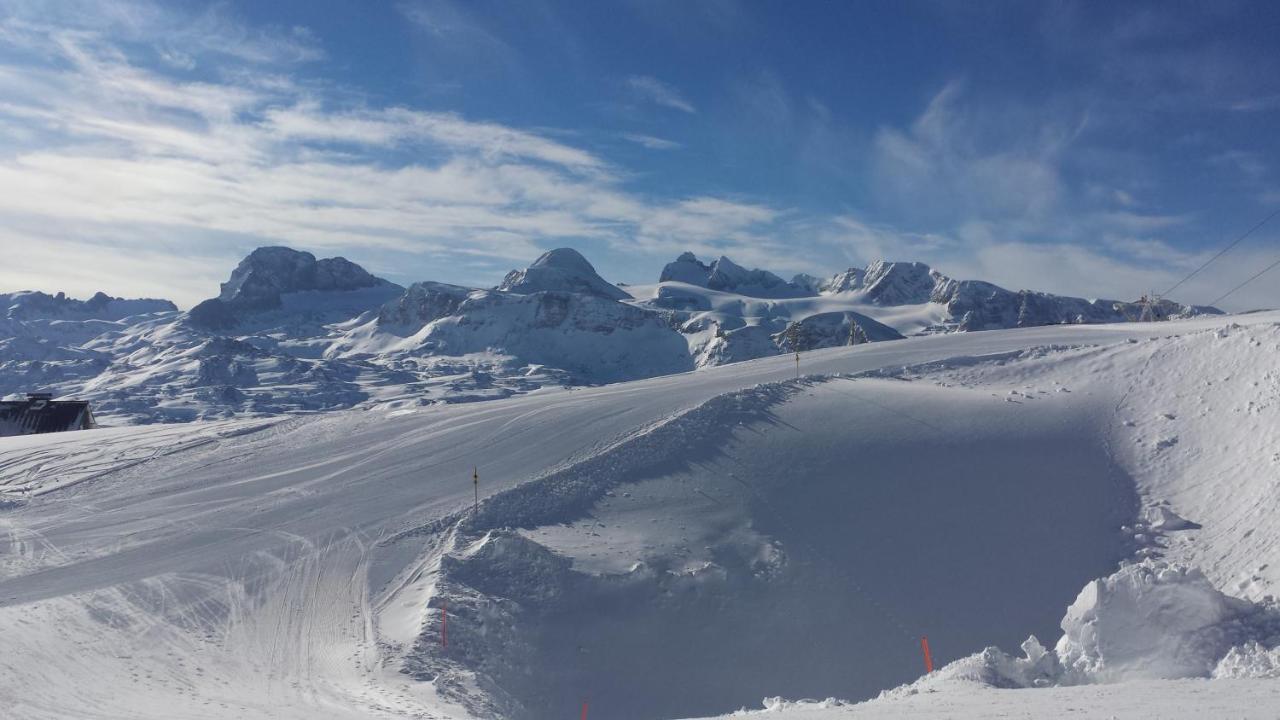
(1256, 275)
(1222, 252)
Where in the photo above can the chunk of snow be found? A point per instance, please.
(1147, 621)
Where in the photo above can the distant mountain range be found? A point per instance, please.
(290, 333)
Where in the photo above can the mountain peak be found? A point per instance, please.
(900, 283)
(565, 258)
(269, 272)
(563, 270)
(34, 305)
(725, 274)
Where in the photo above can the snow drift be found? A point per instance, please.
(1151, 620)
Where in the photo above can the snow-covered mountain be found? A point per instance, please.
(289, 332)
(314, 289)
(725, 275)
(560, 270)
(33, 305)
(730, 314)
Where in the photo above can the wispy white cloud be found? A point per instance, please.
(651, 142)
(180, 39)
(120, 172)
(106, 148)
(655, 91)
(1248, 164)
(999, 206)
(948, 166)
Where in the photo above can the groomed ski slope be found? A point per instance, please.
(686, 545)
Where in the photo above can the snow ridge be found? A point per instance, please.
(493, 579)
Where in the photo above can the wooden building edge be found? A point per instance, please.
(40, 413)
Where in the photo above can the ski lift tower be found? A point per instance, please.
(1149, 307)
(793, 337)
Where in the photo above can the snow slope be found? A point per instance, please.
(677, 546)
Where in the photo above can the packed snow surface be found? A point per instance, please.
(680, 546)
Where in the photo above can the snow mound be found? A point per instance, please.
(1152, 620)
(1250, 660)
(563, 270)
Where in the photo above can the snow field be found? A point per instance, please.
(303, 566)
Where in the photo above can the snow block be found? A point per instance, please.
(1147, 621)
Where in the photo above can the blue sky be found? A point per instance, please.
(1096, 149)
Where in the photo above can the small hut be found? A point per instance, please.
(40, 413)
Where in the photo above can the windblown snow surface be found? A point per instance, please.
(682, 546)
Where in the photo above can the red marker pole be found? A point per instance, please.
(444, 622)
(584, 709)
(928, 657)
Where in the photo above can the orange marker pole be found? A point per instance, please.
(444, 622)
(928, 657)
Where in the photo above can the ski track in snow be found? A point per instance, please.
(272, 568)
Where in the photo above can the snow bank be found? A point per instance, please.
(1149, 621)
(1152, 620)
(1250, 660)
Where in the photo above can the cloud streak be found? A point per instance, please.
(657, 92)
(109, 156)
(114, 157)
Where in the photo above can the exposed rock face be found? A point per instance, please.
(35, 305)
(686, 269)
(977, 305)
(811, 284)
(833, 329)
(899, 283)
(745, 343)
(847, 281)
(591, 337)
(423, 302)
(266, 274)
(561, 270)
(675, 297)
(269, 272)
(726, 275)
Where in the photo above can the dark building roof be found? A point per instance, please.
(39, 414)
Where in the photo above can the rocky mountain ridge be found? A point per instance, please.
(289, 332)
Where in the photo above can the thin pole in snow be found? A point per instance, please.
(928, 657)
(475, 480)
(584, 709)
(444, 622)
